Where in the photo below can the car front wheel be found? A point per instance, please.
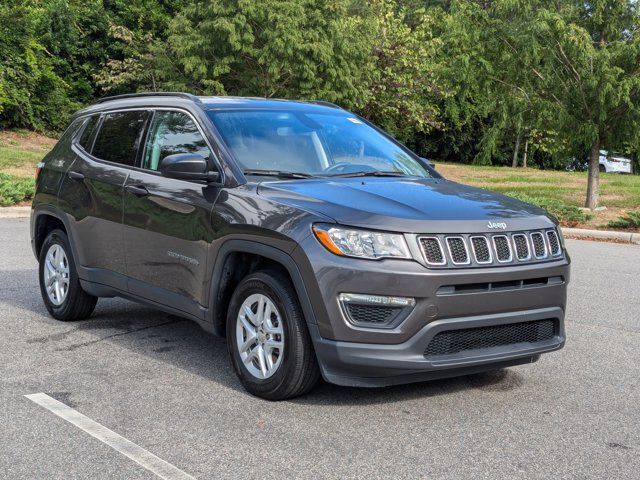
(268, 340)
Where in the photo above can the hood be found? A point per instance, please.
(407, 205)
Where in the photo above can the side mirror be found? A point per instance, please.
(187, 166)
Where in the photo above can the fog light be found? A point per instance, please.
(375, 311)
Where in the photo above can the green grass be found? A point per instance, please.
(15, 189)
(630, 220)
(12, 157)
(567, 187)
(569, 215)
(20, 151)
(560, 193)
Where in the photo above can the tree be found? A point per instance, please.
(32, 95)
(586, 71)
(402, 85)
(273, 48)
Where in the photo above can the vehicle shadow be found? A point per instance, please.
(328, 394)
(184, 345)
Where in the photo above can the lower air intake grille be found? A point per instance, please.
(371, 314)
(456, 341)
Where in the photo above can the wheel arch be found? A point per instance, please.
(45, 219)
(238, 258)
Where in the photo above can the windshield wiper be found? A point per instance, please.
(277, 173)
(373, 173)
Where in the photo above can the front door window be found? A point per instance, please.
(171, 133)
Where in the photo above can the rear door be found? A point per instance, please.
(167, 225)
(92, 193)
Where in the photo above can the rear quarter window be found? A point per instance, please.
(86, 138)
(119, 137)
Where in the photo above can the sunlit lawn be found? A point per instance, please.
(616, 190)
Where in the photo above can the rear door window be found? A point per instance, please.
(119, 137)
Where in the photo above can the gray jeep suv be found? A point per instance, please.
(313, 241)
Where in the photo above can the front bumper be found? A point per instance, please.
(376, 365)
(354, 355)
(326, 276)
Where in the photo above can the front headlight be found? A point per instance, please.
(352, 242)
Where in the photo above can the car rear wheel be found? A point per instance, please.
(602, 168)
(268, 340)
(59, 283)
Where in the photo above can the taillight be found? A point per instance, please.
(39, 168)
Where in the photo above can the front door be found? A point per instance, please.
(167, 222)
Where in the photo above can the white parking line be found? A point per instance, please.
(135, 452)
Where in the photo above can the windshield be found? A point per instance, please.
(313, 144)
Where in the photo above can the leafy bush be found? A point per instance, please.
(15, 190)
(567, 215)
(630, 220)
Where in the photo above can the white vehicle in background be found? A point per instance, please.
(614, 163)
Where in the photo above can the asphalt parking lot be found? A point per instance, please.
(162, 383)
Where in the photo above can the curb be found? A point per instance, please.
(624, 237)
(15, 212)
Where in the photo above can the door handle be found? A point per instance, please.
(76, 175)
(137, 190)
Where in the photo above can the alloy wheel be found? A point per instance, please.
(260, 336)
(56, 274)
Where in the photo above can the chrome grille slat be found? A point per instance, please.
(554, 243)
(539, 245)
(481, 250)
(432, 251)
(458, 251)
(521, 245)
(502, 247)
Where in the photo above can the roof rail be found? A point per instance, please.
(149, 94)
(324, 103)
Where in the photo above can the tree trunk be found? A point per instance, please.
(526, 150)
(593, 182)
(514, 163)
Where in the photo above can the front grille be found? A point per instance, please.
(456, 341)
(472, 250)
(432, 250)
(371, 314)
(481, 250)
(522, 247)
(503, 249)
(539, 247)
(554, 243)
(458, 250)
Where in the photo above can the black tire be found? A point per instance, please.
(298, 373)
(602, 168)
(77, 304)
